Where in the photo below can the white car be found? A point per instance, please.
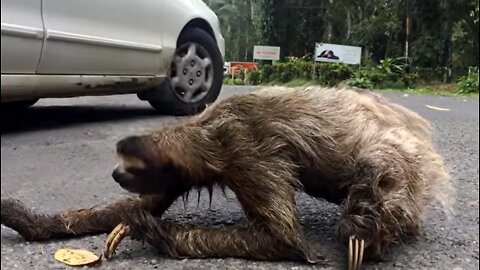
(170, 52)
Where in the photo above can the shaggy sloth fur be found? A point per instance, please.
(353, 148)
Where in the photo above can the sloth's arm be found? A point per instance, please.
(100, 219)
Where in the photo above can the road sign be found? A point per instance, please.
(266, 52)
(325, 52)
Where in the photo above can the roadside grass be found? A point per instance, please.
(439, 89)
(292, 83)
(429, 91)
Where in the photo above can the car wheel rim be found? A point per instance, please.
(192, 73)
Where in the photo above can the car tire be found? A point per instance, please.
(195, 77)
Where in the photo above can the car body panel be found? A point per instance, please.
(101, 37)
(80, 43)
(43, 86)
(22, 35)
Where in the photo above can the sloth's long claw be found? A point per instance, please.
(184, 203)
(350, 252)
(199, 195)
(210, 195)
(114, 239)
(355, 252)
(360, 255)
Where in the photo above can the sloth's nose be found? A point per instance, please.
(116, 175)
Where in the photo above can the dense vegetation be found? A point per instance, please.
(388, 74)
(443, 39)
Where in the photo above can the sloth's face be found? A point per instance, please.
(140, 170)
(133, 175)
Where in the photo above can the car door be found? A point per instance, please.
(22, 36)
(120, 37)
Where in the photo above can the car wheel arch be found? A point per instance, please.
(164, 99)
(197, 23)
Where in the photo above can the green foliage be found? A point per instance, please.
(241, 73)
(238, 81)
(332, 74)
(409, 78)
(232, 81)
(240, 23)
(390, 73)
(227, 80)
(306, 58)
(444, 33)
(392, 69)
(374, 75)
(361, 82)
(267, 73)
(253, 77)
(468, 84)
(474, 11)
(429, 51)
(288, 71)
(240, 78)
(323, 73)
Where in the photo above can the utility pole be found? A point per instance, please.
(407, 30)
(407, 39)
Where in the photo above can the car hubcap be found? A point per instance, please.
(192, 73)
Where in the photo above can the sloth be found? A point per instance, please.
(351, 147)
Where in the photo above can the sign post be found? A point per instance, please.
(271, 53)
(335, 53)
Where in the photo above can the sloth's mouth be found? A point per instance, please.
(126, 181)
(129, 187)
(121, 177)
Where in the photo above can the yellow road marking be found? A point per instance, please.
(437, 108)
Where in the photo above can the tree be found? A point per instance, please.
(442, 35)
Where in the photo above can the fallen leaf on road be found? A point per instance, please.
(76, 257)
(437, 108)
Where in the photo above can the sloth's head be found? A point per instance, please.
(145, 168)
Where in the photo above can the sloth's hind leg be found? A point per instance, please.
(385, 200)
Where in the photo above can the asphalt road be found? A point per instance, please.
(59, 154)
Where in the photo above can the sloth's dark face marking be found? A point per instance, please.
(141, 170)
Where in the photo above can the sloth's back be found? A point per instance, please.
(329, 114)
(324, 130)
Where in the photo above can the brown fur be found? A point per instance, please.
(353, 148)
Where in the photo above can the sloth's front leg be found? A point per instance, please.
(35, 226)
(250, 241)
